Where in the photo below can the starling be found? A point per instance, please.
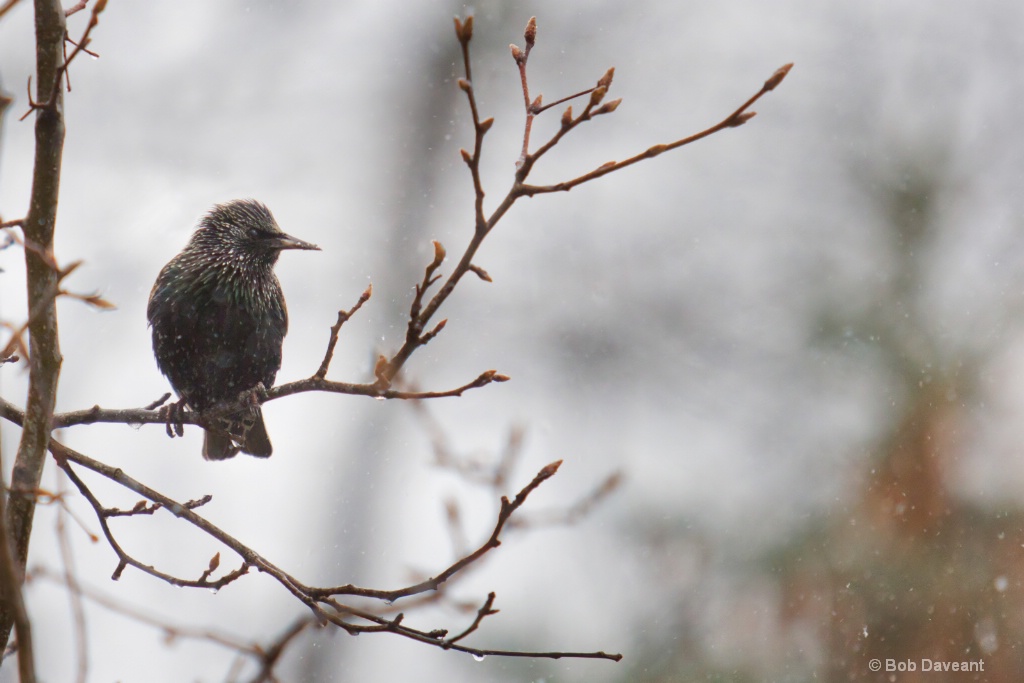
(219, 319)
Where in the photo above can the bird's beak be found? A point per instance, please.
(289, 242)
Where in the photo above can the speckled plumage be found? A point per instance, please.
(219, 319)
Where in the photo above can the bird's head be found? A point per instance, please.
(244, 228)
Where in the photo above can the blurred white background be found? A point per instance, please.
(740, 326)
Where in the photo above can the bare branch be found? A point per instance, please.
(42, 284)
(52, 103)
(77, 7)
(7, 7)
(736, 118)
(485, 610)
(507, 508)
(343, 317)
(311, 597)
(140, 416)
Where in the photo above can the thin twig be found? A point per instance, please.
(733, 120)
(507, 508)
(532, 108)
(51, 103)
(314, 598)
(67, 558)
(7, 7)
(486, 610)
(343, 317)
(77, 7)
(464, 33)
(270, 654)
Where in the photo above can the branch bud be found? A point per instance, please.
(464, 85)
(439, 252)
(549, 470)
(742, 118)
(425, 339)
(608, 107)
(777, 77)
(517, 54)
(486, 124)
(466, 156)
(530, 34)
(606, 80)
(597, 94)
(536, 103)
(464, 29)
(567, 117)
(381, 368)
(480, 273)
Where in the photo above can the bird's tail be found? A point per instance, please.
(245, 432)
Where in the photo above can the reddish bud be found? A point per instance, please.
(464, 85)
(777, 77)
(742, 118)
(481, 273)
(536, 103)
(606, 80)
(597, 94)
(467, 29)
(466, 156)
(567, 117)
(530, 34)
(438, 327)
(549, 470)
(381, 368)
(517, 54)
(439, 252)
(608, 107)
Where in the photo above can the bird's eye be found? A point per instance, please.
(255, 233)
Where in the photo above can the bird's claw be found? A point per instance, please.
(172, 415)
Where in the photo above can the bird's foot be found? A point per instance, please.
(253, 398)
(172, 415)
